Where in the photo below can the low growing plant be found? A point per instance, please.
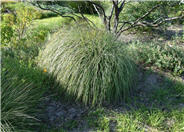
(90, 65)
(164, 57)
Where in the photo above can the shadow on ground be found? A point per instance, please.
(155, 91)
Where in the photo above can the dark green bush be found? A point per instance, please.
(90, 65)
(47, 14)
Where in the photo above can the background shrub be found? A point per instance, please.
(85, 7)
(91, 65)
(16, 22)
(47, 14)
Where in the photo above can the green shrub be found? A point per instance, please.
(18, 100)
(28, 47)
(24, 17)
(90, 65)
(6, 34)
(164, 57)
(8, 19)
(16, 23)
(47, 14)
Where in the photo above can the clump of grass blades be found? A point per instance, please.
(90, 65)
(18, 99)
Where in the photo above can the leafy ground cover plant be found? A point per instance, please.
(164, 57)
(91, 66)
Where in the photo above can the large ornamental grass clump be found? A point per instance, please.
(90, 65)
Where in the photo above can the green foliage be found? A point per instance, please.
(7, 30)
(179, 89)
(67, 7)
(24, 17)
(18, 100)
(98, 119)
(57, 6)
(27, 49)
(85, 7)
(11, 6)
(129, 122)
(47, 14)
(15, 24)
(134, 10)
(25, 71)
(6, 34)
(164, 57)
(8, 19)
(91, 65)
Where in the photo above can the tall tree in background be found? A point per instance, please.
(119, 15)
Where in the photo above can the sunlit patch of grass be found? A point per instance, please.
(136, 120)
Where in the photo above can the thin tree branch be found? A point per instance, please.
(112, 10)
(149, 24)
(122, 5)
(99, 6)
(86, 19)
(147, 13)
(116, 18)
(162, 20)
(44, 8)
(109, 18)
(133, 24)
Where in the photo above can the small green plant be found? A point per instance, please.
(129, 122)
(16, 23)
(90, 65)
